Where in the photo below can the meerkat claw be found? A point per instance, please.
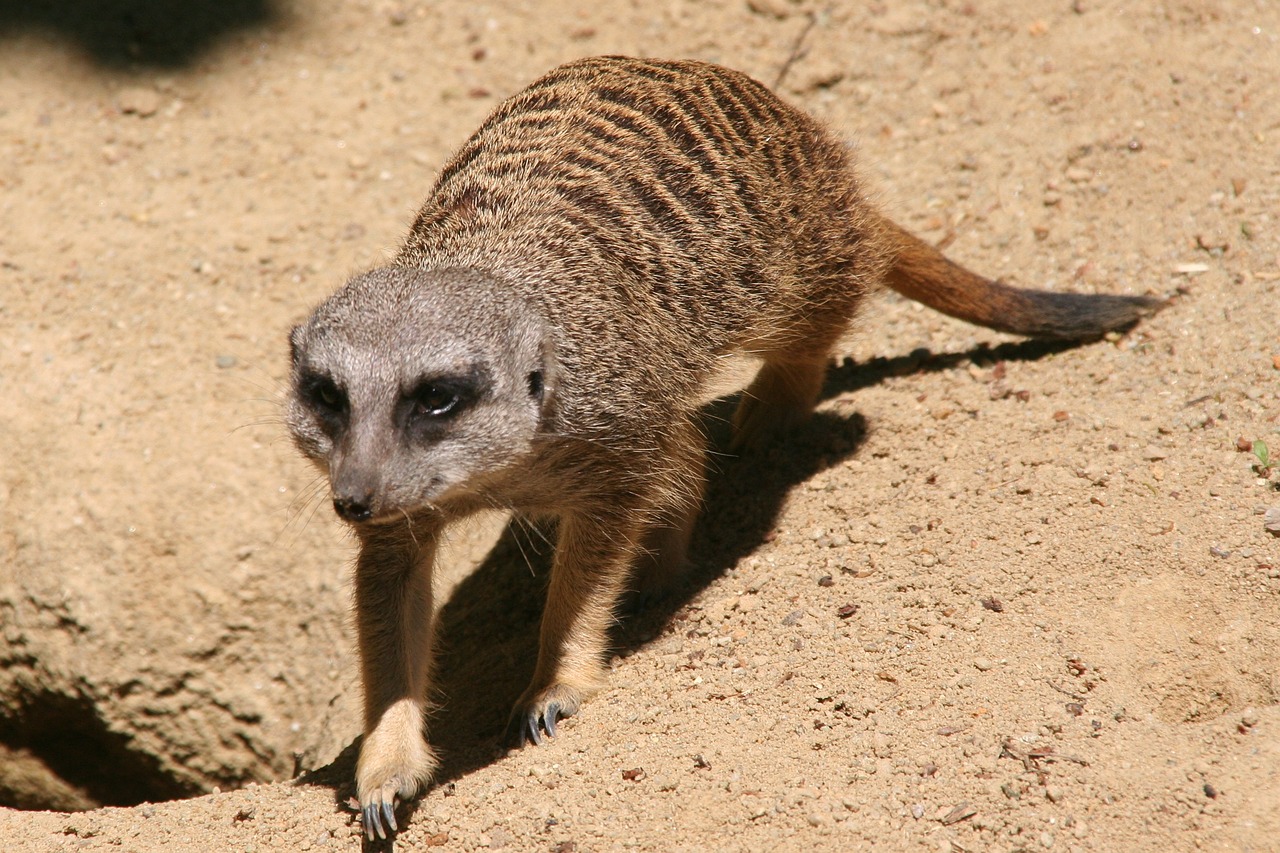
(372, 824)
(529, 725)
(522, 729)
(379, 818)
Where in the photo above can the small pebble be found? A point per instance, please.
(983, 664)
(139, 101)
(1271, 519)
(775, 9)
(226, 361)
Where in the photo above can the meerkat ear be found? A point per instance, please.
(544, 381)
(295, 344)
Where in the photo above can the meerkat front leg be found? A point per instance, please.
(593, 560)
(393, 619)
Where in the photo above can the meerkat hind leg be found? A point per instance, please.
(664, 558)
(781, 397)
(393, 619)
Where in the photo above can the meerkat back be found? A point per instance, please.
(666, 214)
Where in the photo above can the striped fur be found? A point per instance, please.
(672, 205)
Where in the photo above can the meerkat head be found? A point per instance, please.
(408, 385)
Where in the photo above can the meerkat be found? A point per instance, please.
(575, 287)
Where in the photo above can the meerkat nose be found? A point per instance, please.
(352, 508)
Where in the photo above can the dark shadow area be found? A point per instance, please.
(488, 632)
(75, 749)
(121, 34)
(849, 376)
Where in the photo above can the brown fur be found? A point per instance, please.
(576, 284)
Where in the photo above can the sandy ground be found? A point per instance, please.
(998, 596)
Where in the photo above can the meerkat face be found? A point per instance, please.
(409, 386)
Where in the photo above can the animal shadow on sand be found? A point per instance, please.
(488, 629)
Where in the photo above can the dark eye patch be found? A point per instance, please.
(323, 395)
(433, 401)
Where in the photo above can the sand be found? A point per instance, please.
(997, 596)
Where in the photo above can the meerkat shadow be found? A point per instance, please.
(487, 631)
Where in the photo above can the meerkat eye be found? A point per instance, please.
(324, 393)
(329, 395)
(535, 384)
(435, 401)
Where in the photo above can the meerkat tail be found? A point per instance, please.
(922, 273)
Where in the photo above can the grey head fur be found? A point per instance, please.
(412, 388)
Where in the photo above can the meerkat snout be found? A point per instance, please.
(407, 387)
(354, 509)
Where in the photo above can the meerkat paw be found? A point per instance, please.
(537, 711)
(395, 762)
(380, 783)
